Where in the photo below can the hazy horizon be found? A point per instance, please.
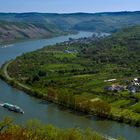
(64, 6)
(67, 13)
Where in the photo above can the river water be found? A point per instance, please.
(50, 113)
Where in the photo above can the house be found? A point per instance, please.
(118, 88)
(132, 88)
(115, 88)
(110, 80)
(108, 88)
(70, 51)
(67, 51)
(136, 81)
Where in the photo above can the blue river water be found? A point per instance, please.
(50, 113)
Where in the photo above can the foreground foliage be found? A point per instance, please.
(34, 130)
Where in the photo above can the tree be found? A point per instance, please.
(5, 124)
(52, 94)
(101, 108)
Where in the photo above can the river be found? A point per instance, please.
(50, 113)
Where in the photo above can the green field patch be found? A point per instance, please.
(120, 103)
(136, 107)
(83, 75)
(65, 55)
(56, 67)
(97, 85)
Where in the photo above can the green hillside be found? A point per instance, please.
(106, 22)
(122, 49)
(17, 26)
(74, 74)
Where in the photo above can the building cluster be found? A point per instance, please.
(70, 51)
(115, 88)
(133, 86)
(86, 40)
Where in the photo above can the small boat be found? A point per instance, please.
(6, 46)
(14, 108)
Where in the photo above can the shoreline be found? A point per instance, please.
(11, 81)
(32, 39)
(4, 76)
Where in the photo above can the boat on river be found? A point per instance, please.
(6, 46)
(11, 107)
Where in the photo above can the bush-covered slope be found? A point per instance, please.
(34, 130)
(122, 48)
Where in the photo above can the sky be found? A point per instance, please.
(68, 6)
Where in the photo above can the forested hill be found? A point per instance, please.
(121, 48)
(16, 26)
(14, 31)
(104, 22)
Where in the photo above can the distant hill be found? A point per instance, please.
(46, 24)
(109, 21)
(14, 31)
(121, 48)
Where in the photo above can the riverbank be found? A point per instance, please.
(60, 115)
(5, 76)
(119, 115)
(39, 131)
(32, 39)
(17, 31)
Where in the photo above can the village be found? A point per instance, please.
(86, 40)
(132, 86)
